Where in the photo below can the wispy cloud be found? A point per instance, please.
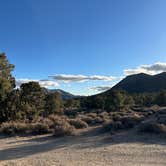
(81, 78)
(100, 88)
(43, 83)
(148, 69)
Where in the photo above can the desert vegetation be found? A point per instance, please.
(155, 125)
(31, 109)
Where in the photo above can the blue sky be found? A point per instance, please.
(69, 38)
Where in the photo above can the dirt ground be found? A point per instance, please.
(88, 148)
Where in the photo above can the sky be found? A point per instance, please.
(83, 46)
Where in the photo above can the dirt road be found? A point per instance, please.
(89, 148)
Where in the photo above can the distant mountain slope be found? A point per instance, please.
(65, 95)
(139, 83)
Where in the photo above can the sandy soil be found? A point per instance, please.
(88, 148)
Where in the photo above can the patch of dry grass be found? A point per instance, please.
(53, 124)
(78, 123)
(63, 129)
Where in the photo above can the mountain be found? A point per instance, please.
(65, 95)
(140, 83)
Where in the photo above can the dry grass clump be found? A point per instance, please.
(46, 121)
(147, 111)
(57, 119)
(119, 122)
(78, 123)
(111, 126)
(57, 125)
(15, 128)
(60, 126)
(156, 125)
(87, 119)
(116, 117)
(92, 115)
(71, 113)
(153, 127)
(63, 129)
(104, 116)
(99, 120)
(94, 118)
(11, 128)
(39, 128)
(131, 121)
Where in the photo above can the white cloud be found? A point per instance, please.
(100, 88)
(43, 83)
(148, 69)
(81, 78)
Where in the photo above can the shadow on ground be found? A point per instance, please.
(92, 138)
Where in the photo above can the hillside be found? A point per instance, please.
(140, 83)
(65, 95)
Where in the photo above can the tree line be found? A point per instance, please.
(114, 100)
(30, 100)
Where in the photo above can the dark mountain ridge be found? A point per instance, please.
(140, 83)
